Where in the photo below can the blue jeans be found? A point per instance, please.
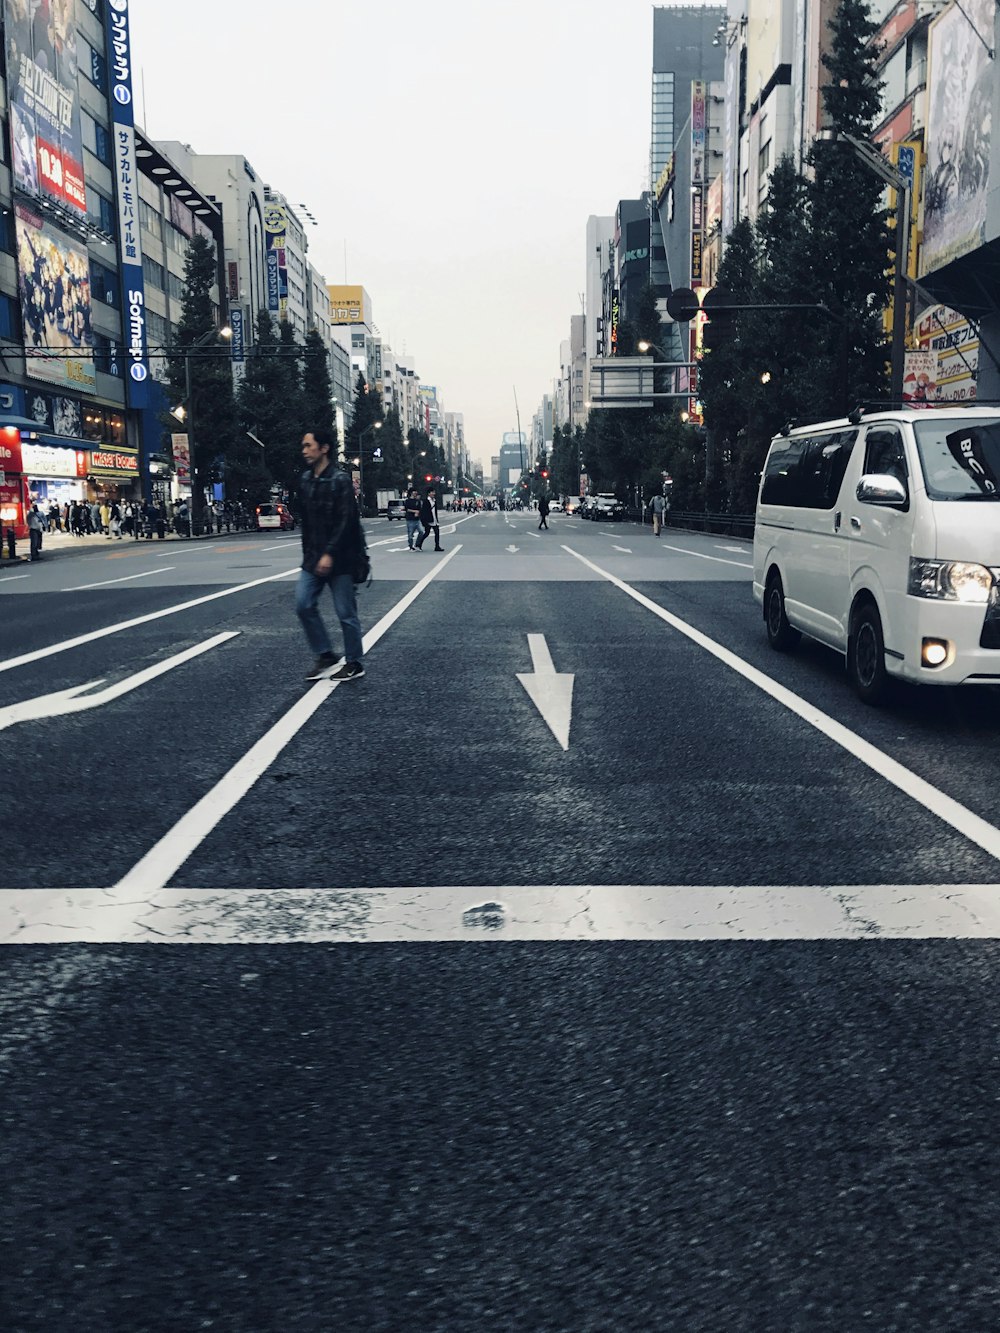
(413, 527)
(307, 594)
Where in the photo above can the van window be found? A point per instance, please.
(884, 453)
(822, 467)
(780, 485)
(806, 472)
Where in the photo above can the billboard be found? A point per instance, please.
(54, 287)
(276, 233)
(347, 304)
(46, 146)
(955, 345)
(125, 172)
(959, 123)
(698, 130)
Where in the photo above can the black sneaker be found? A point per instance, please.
(349, 671)
(322, 666)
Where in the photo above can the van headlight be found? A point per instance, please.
(950, 580)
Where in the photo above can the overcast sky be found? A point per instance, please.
(456, 149)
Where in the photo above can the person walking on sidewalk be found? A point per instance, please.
(543, 512)
(331, 540)
(429, 519)
(35, 532)
(411, 511)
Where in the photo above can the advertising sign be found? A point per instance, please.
(276, 234)
(46, 460)
(54, 285)
(127, 188)
(698, 130)
(959, 123)
(10, 450)
(955, 344)
(237, 344)
(920, 379)
(347, 304)
(729, 141)
(233, 279)
(46, 146)
(182, 457)
(113, 462)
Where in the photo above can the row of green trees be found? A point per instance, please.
(284, 392)
(822, 242)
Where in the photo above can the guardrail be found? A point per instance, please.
(723, 525)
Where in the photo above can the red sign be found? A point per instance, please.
(234, 281)
(10, 449)
(61, 174)
(113, 462)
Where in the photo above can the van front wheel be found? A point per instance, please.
(866, 656)
(780, 634)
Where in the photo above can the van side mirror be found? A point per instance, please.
(878, 489)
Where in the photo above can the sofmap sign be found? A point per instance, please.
(127, 188)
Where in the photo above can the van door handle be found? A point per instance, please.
(856, 524)
(836, 521)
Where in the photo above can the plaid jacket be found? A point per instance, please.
(331, 524)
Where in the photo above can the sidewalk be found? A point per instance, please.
(58, 544)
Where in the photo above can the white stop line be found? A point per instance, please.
(564, 912)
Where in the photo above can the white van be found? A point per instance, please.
(880, 536)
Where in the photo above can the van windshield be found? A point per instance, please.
(960, 457)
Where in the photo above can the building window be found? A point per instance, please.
(104, 285)
(100, 210)
(107, 355)
(154, 273)
(150, 218)
(175, 286)
(10, 324)
(95, 137)
(157, 329)
(92, 64)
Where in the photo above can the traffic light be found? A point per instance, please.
(545, 473)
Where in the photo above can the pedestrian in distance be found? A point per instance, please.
(411, 511)
(429, 521)
(35, 532)
(657, 507)
(332, 540)
(543, 512)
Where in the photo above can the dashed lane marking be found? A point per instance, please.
(127, 578)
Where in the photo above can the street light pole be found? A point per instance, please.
(375, 425)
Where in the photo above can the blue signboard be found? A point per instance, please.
(125, 171)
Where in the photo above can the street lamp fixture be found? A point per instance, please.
(766, 377)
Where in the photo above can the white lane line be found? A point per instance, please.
(967, 823)
(73, 700)
(106, 583)
(701, 556)
(12, 578)
(163, 860)
(62, 647)
(863, 914)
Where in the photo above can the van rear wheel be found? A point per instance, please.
(780, 634)
(866, 655)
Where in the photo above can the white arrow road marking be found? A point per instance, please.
(74, 700)
(106, 583)
(550, 691)
(512, 549)
(740, 550)
(626, 550)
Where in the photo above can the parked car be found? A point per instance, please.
(879, 537)
(396, 509)
(274, 516)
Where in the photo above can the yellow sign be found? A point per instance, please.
(347, 304)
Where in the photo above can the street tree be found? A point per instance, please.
(267, 409)
(211, 410)
(361, 437)
(317, 388)
(848, 222)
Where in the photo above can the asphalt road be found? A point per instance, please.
(374, 1007)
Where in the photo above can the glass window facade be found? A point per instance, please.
(663, 123)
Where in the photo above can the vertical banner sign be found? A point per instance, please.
(276, 232)
(181, 447)
(46, 145)
(697, 229)
(127, 188)
(233, 274)
(697, 131)
(237, 345)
